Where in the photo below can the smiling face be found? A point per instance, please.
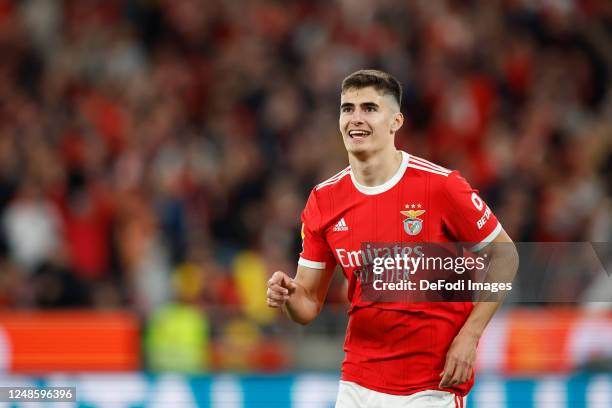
(368, 120)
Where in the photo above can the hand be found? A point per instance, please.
(459, 361)
(280, 288)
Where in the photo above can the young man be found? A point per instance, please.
(397, 355)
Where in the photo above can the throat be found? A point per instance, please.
(376, 170)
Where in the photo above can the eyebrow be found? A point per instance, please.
(363, 105)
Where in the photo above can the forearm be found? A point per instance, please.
(301, 307)
(502, 269)
(478, 320)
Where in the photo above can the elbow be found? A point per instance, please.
(303, 321)
(305, 318)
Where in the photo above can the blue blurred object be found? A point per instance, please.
(306, 390)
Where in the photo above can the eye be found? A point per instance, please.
(370, 109)
(346, 109)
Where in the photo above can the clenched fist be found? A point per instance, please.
(280, 288)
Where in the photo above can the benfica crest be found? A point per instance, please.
(413, 224)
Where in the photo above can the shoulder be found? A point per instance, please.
(425, 167)
(334, 180)
(440, 180)
(447, 184)
(322, 194)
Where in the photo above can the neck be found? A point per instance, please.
(376, 169)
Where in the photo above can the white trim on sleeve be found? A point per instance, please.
(311, 264)
(488, 239)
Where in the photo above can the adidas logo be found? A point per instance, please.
(341, 225)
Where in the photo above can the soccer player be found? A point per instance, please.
(411, 355)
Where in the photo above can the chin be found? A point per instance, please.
(357, 145)
(358, 150)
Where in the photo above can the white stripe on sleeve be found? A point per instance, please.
(311, 264)
(488, 239)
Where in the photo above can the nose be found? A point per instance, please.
(356, 117)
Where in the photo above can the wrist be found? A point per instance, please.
(471, 333)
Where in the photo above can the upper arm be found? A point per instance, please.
(315, 281)
(317, 263)
(502, 239)
(466, 215)
(503, 261)
(316, 253)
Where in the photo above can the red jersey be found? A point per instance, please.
(395, 348)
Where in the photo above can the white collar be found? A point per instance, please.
(387, 185)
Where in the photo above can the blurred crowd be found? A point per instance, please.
(158, 153)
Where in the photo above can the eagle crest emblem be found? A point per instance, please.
(413, 224)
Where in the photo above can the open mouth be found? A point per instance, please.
(359, 134)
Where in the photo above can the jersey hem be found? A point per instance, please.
(406, 392)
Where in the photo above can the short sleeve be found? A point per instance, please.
(467, 217)
(316, 253)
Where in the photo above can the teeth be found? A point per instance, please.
(358, 133)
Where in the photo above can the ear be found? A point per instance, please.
(398, 121)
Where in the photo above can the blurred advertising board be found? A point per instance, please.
(546, 340)
(518, 341)
(37, 342)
